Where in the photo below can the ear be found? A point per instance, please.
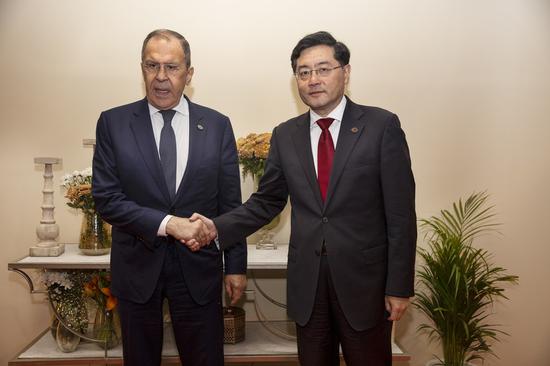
(189, 76)
(347, 72)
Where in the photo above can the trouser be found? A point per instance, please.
(320, 339)
(198, 329)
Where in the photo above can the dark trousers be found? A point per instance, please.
(319, 340)
(198, 329)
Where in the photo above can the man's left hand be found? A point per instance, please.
(234, 286)
(396, 306)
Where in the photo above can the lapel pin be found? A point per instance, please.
(200, 127)
(354, 129)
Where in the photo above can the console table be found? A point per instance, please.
(260, 345)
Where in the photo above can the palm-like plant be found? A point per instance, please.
(458, 282)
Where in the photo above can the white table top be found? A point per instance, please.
(258, 342)
(73, 259)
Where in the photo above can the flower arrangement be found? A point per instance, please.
(253, 150)
(65, 292)
(79, 189)
(98, 289)
(107, 322)
(95, 233)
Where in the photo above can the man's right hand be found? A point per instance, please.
(213, 232)
(194, 234)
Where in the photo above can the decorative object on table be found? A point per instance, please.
(48, 230)
(70, 315)
(53, 326)
(253, 150)
(95, 233)
(66, 340)
(458, 282)
(233, 324)
(106, 327)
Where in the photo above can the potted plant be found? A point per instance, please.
(458, 283)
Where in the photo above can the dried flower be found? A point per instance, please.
(79, 189)
(253, 150)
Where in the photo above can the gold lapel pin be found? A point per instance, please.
(200, 127)
(354, 129)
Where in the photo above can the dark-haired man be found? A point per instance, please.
(352, 245)
(157, 161)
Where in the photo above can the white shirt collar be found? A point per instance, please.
(182, 107)
(337, 113)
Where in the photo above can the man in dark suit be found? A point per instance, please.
(352, 245)
(156, 162)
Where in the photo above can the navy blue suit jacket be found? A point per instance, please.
(130, 193)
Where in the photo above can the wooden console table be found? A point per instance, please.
(260, 345)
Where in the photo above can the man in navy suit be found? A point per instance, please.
(347, 170)
(156, 162)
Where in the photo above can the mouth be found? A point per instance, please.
(161, 92)
(316, 93)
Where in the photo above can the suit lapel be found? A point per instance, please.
(350, 131)
(302, 144)
(143, 133)
(198, 130)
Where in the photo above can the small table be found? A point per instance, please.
(260, 345)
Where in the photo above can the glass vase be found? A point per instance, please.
(95, 235)
(107, 329)
(53, 326)
(66, 340)
(267, 232)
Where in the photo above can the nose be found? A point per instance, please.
(313, 78)
(161, 74)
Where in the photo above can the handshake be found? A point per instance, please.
(195, 232)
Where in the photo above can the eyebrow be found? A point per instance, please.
(322, 63)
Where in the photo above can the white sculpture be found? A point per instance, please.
(48, 230)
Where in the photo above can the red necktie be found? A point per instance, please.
(325, 154)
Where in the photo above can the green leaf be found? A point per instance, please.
(457, 282)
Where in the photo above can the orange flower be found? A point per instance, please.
(98, 289)
(111, 303)
(89, 289)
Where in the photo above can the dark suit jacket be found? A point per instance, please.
(368, 221)
(130, 193)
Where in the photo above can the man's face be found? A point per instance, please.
(164, 72)
(321, 93)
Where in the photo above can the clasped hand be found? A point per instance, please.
(195, 232)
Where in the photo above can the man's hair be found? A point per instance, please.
(341, 51)
(168, 34)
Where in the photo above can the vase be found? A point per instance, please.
(66, 340)
(106, 328)
(267, 232)
(53, 326)
(95, 235)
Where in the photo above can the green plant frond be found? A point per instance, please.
(457, 282)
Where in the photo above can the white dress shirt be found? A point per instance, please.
(334, 129)
(180, 124)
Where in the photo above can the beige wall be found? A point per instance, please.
(470, 81)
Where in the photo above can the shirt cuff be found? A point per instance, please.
(217, 242)
(162, 228)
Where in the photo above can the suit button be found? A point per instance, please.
(317, 252)
(325, 219)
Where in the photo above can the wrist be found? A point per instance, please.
(171, 226)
